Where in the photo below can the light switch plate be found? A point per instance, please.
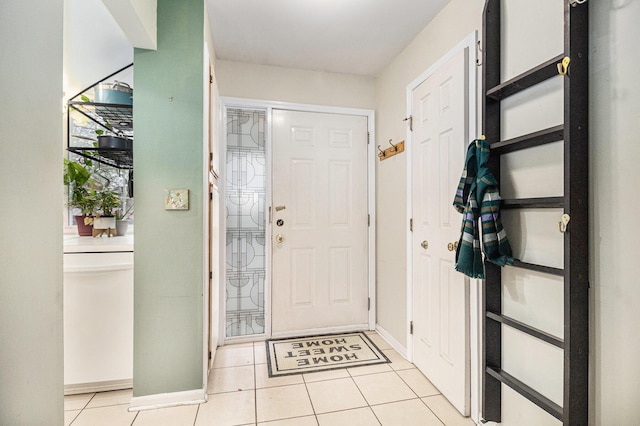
(176, 199)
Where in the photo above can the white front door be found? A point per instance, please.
(319, 223)
(440, 294)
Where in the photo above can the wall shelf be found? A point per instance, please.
(573, 134)
(111, 118)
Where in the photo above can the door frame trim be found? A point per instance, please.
(269, 106)
(469, 43)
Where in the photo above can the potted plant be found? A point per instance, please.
(77, 177)
(122, 216)
(108, 202)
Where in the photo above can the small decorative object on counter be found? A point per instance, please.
(122, 217)
(105, 222)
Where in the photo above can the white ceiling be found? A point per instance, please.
(344, 36)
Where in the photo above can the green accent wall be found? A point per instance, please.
(169, 251)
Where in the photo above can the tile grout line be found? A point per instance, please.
(364, 397)
(418, 396)
(134, 418)
(82, 409)
(310, 400)
(429, 408)
(195, 419)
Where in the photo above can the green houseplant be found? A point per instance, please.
(78, 178)
(108, 202)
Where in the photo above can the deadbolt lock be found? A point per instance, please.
(279, 222)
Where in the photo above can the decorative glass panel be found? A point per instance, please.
(246, 200)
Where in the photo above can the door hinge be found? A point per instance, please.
(368, 220)
(368, 304)
(411, 327)
(368, 138)
(411, 225)
(209, 355)
(210, 275)
(210, 79)
(410, 120)
(211, 195)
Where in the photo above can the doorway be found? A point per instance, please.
(442, 303)
(318, 202)
(320, 221)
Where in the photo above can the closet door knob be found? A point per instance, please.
(425, 244)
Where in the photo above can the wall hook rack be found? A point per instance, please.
(391, 151)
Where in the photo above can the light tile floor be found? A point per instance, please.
(241, 393)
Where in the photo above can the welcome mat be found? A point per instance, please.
(321, 353)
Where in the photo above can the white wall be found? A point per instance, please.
(243, 80)
(31, 371)
(137, 19)
(614, 202)
(94, 45)
(440, 36)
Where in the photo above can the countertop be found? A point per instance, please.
(77, 244)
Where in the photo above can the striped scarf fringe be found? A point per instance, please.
(478, 183)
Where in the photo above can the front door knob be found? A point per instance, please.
(425, 244)
(279, 238)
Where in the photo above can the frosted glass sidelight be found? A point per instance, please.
(246, 203)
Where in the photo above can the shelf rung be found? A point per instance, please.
(119, 159)
(531, 331)
(529, 393)
(527, 79)
(541, 137)
(532, 203)
(538, 268)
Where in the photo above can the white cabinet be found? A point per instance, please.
(98, 321)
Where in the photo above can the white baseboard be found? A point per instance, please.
(163, 400)
(79, 388)
(401, 349)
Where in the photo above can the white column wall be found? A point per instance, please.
(31, 370)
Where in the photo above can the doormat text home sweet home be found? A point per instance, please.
(321, 353)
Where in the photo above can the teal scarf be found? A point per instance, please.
(477, 183)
